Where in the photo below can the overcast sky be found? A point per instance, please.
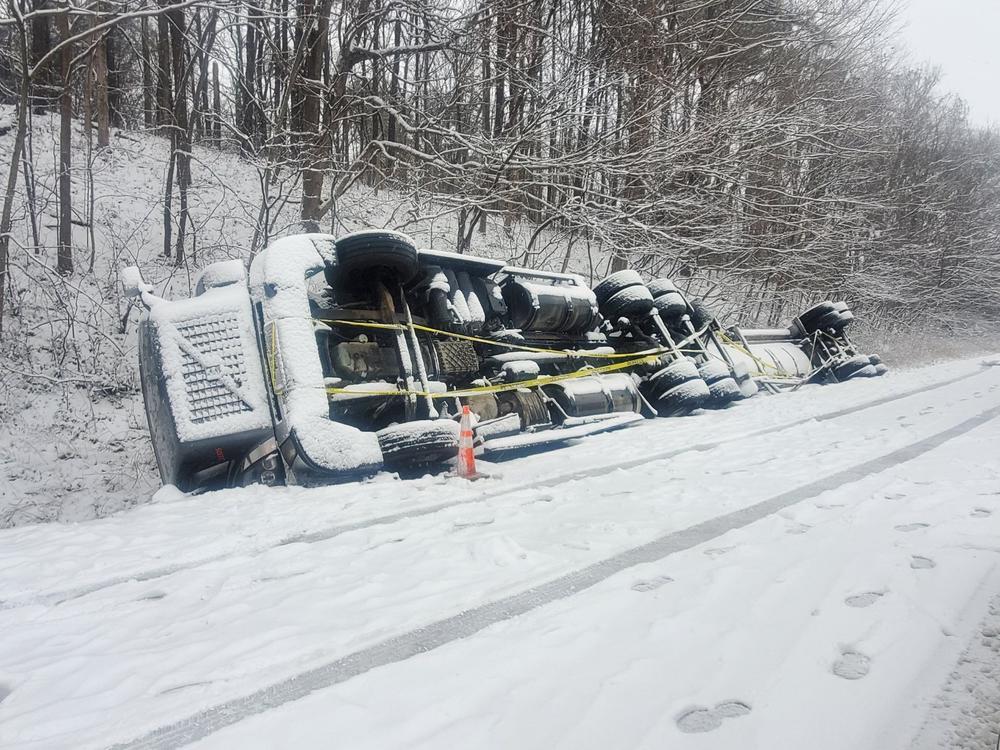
(962, 37)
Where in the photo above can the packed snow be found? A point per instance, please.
(814, 569)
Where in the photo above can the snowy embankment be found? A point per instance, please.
(797, 571)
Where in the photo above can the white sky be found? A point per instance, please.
(962, 37)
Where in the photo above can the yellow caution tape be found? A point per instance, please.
(500, 388)
(649, 356)
(568, 353)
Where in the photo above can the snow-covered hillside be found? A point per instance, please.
(801, 570)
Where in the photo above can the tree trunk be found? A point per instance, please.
(181, 138)
(313, 33)
(65, 251)
(148, 115)
(42, 86)
(101, 91)
(164, 106)
(216, 106)
(23, 104)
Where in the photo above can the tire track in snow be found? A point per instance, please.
(468, 623)
(321, 535)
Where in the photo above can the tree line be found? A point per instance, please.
(772, 150)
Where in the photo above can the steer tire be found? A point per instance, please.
(418, 443)
(846, 370)
(683, 399)
(633, 302)
(367, 254)
(670, 305)
(661, 286)
(880, 369)
(616, 283)
(676, 373)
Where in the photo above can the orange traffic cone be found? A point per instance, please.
(466, 456)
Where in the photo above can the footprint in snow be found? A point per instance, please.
(927, 410)
(651, 584)
(906, 527)
(798, 528)
(922, 563)
(893, 495)
(717, 551)
(981, 513)
(152, 596)
(701, 719)
(851, 665)
(866, 599)
(5, 690)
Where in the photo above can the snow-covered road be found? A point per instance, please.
(800, 570)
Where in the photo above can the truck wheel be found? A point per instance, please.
(701, 316)
(846, 370)
(683, 399)
(725, 391)
(368, 253)
(418, 443)
(674, 374)
(661, 286)
(809, 317)
(635, 301)
(616, 283)
(835, 320)
(722, 387)
(670, 305)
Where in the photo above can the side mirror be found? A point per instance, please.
(134, 286)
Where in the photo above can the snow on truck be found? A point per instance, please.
(335, 358)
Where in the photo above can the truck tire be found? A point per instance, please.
(723, 389)
(809, 317)
(676, 373)
(616, 283)
(376, 252)
(833, 320)
(701, 316)
(670, 305)
(682, 399)
(632, 302)
(846, 370)
(418, 443)
(661, 286)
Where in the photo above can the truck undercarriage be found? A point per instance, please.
(336, 358)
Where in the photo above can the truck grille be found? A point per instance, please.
(217, 339)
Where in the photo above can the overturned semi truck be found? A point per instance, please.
(337, 357)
